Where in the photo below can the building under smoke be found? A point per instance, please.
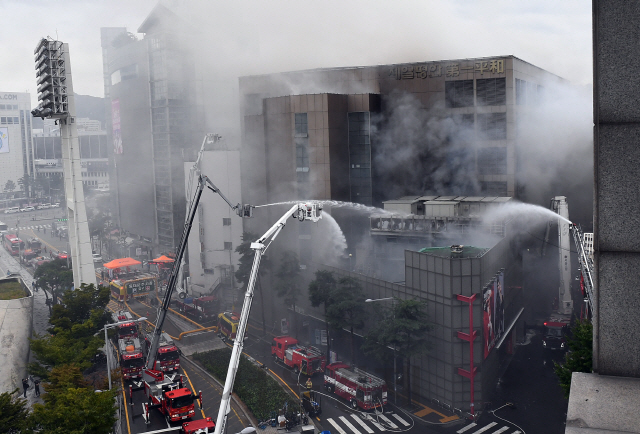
(16, 148)
(154, 124)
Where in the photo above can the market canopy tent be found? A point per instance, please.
(161, 260)
(122, 262)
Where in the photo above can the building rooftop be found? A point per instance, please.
(456, 252)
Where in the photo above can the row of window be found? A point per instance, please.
(9, 120)
(488, 92)
(527, 93)
(8, 106)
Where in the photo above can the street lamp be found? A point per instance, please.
(395, 376)
(106, 342)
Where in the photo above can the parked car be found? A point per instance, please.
(44, 206)
(59, 255)
(27, 208)
(12, 210)
(97, 258)
(55, 205)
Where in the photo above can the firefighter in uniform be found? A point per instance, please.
(309, 384)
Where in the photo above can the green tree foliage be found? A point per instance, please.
(261, 393)
(347, 309)
(288, 286)
(10, 186)
(14, 413)
(580, 355)
(54, 277)
(26, 184)
(404, 327)
(322, 292)
(75, 323)
(70, 406)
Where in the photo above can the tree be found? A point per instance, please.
(54, 277)
(404, 328)
(9, 186)
(322, 292)
(347, 308)
(72, 407)
(288, 282)
(244, 269)
(14, 413)
(26, 184)
(580, 355)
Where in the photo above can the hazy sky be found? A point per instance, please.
(278, 35)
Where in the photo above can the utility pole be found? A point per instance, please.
(55, 93)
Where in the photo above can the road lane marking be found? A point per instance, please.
(468, 427)
(336, 426)
(503, 429)
(376, 424)
(349, 425)
(193, 389)
(486, 428)
(387, 420)
(361, 422)
(401, 420)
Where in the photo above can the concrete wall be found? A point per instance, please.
(617, 170)
(16, 319)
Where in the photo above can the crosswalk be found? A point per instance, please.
(490, 428)
(34, 227)
(365, 423)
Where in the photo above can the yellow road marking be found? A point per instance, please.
(124, 395)
(425, 411)
(449, 419)
(193, 389)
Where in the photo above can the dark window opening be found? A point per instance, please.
(491, 91)
(459, 93)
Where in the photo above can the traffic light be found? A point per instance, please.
(51, 78)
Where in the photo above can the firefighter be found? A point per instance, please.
(309, 384)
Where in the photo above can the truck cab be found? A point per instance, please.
(170, 397)
(167, 355)
(555, 335)
(131, 358)
(305, 359)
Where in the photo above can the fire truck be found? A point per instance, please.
(228, 325)
(167, 356)
(203, 309)
(131, 358)
(35, 245)
(174, 401)
(302, 359)
(360, 388)
(13, 244)
(126, 330)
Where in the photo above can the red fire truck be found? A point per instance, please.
(203, 309)
(360, 388)
(169, 396)
(305, 359)
(131, 358)
(127, 330)
(13, 244)
(168, 356)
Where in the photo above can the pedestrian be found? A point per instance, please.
(36, 384)
(45, 249)
(103, 274)
(309, 384)
(25, 385)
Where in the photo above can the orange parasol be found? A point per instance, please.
(161, 260)
(122, 262)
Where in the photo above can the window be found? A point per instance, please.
(302, 125)
(492, 161)
(228, 246)
(492, 126)
(360, 157)
(459, 93)
(226, 222)
(491, 91)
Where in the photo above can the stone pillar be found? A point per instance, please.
(616, 51)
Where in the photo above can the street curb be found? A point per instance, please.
(233, 396)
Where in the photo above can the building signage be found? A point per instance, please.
(493, 313)
(450, 70)
(115, 121)
(4, 140)
(140, 286)
(9, 96)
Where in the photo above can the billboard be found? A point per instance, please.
(4, 140)
(115, 122)
(493, 312)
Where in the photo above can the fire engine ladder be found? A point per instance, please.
(586, 265)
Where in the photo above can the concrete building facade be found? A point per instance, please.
(16, 146)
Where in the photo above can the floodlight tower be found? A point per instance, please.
(55, 93)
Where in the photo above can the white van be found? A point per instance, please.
(12, 210)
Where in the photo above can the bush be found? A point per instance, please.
(260, 393)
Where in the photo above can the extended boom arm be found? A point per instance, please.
(301, 211)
